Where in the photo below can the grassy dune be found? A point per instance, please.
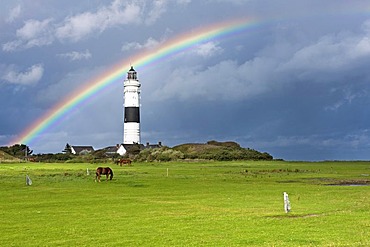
(197, 204)
(4, 157)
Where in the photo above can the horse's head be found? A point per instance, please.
(111, 174)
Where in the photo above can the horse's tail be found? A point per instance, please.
(111, 174)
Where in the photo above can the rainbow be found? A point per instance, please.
(173, 46)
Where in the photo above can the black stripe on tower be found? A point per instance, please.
(132, 115)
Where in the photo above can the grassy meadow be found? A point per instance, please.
(194, 204)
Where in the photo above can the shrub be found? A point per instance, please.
(159, 154)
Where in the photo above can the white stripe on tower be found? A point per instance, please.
(131, 93)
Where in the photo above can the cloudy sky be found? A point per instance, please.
(295, 85)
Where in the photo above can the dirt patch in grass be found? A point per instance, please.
(288, 181)
(350, 182)
(332, 182)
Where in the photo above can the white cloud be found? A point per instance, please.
(327, 53)
(208, 49)
(159, 7)
(14, 14)
(224, 81)
(184, 1)
(149, 44)
(75, 28)
(347, 96)
(281, 65)
(237, 2)
(12, 45)
(82, 25)
(36, 33)
(31, 76)
(33, 29)
(362, 47)
(75, 55)
(332, 52)
(156, 8)
(205, 50)
(33, 33)
(366, 26)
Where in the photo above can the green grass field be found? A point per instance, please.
(197, 204)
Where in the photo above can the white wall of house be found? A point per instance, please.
(121, 150)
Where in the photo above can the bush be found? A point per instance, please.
(159, 154)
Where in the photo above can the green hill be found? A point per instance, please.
(4, 157)
(214, 150)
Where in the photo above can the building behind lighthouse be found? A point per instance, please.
(131, 94)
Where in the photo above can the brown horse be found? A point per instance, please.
(123, 162)
(31, 159)
(103, 171)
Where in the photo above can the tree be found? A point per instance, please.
(18, 150)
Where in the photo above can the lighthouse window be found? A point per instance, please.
(132, 76)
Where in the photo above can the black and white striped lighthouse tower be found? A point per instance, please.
(131, 93)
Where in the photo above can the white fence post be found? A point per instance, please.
(28, 180)
(287, 207)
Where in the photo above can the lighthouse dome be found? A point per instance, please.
(132, 69)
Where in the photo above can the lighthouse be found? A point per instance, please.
(131, 94)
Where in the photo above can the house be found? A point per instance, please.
(153, 145)
(129, 148)
(79, 150)
(135, 148)
(111, 150)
